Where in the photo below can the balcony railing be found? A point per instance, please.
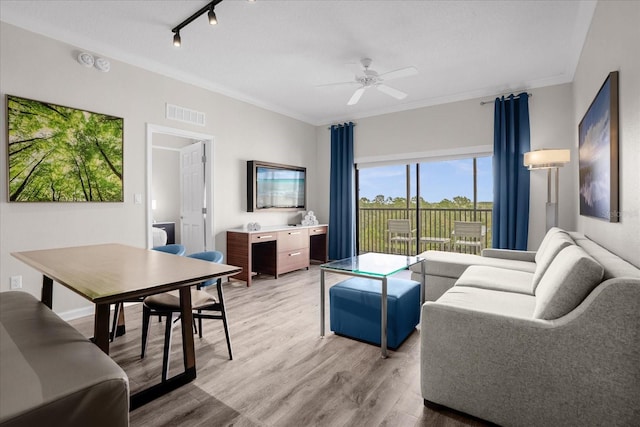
(434, 223)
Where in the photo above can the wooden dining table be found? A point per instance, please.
(107, 273)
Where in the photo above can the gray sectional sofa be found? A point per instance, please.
(51, 375)
(543, 338)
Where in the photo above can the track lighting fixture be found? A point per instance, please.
(213, 20)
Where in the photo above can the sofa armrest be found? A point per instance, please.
(529, 256)
(583, 368)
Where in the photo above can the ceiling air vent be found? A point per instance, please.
(185, 115)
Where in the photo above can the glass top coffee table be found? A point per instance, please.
(372, 266)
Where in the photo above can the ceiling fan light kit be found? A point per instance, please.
(367, 78)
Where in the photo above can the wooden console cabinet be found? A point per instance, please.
(275, 250)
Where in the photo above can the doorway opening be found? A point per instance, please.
(180, 187)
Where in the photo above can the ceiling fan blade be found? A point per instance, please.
(391, 91)
(356, 96)
(400, 73)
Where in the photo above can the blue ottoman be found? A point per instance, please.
(355, 309)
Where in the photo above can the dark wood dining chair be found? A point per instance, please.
(167, 304)
(175, 249)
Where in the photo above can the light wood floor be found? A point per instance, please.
(283, 373)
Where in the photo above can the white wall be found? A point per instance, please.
(612, 44)
(33, 66)
(464, 126)
(551, 121)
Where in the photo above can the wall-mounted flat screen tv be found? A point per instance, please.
(272, 186)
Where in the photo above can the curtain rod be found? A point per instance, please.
(491, 102)
(342, 124)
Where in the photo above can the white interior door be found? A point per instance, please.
(192, 192)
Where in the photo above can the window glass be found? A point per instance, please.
(447, 184)
(382, 186)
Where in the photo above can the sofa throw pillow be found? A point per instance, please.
(571, 276)
(543, 245)
(557, 242)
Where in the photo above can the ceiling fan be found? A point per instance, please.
(368, 78)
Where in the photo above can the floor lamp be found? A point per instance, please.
(549, 159)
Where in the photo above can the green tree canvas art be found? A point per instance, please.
(62, 154)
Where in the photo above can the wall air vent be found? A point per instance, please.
(185, 115)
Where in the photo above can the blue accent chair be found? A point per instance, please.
(355, 309)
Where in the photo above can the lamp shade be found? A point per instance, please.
(546, 159)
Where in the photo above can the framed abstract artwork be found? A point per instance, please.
(62, 154)
(598, 152)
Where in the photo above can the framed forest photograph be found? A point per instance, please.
(62, 154)
(598, 152)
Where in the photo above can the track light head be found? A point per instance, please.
(213, 20)
(176, 39)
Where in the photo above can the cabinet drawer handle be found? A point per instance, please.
(317, 231)
(294, 254)
(264, 237)
(294, 232)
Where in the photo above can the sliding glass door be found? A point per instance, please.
(430, 195)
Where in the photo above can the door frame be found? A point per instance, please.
(208, 177)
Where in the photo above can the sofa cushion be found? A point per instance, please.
(508, 304)
(451, 264)
(557, 242)
(572, 275)
(545, 241)
(49, 370)
(499, 279)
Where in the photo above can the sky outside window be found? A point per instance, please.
(389, 181)
(438, 180)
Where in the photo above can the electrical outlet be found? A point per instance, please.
(16, 282)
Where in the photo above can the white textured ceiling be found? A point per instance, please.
(273, 53)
